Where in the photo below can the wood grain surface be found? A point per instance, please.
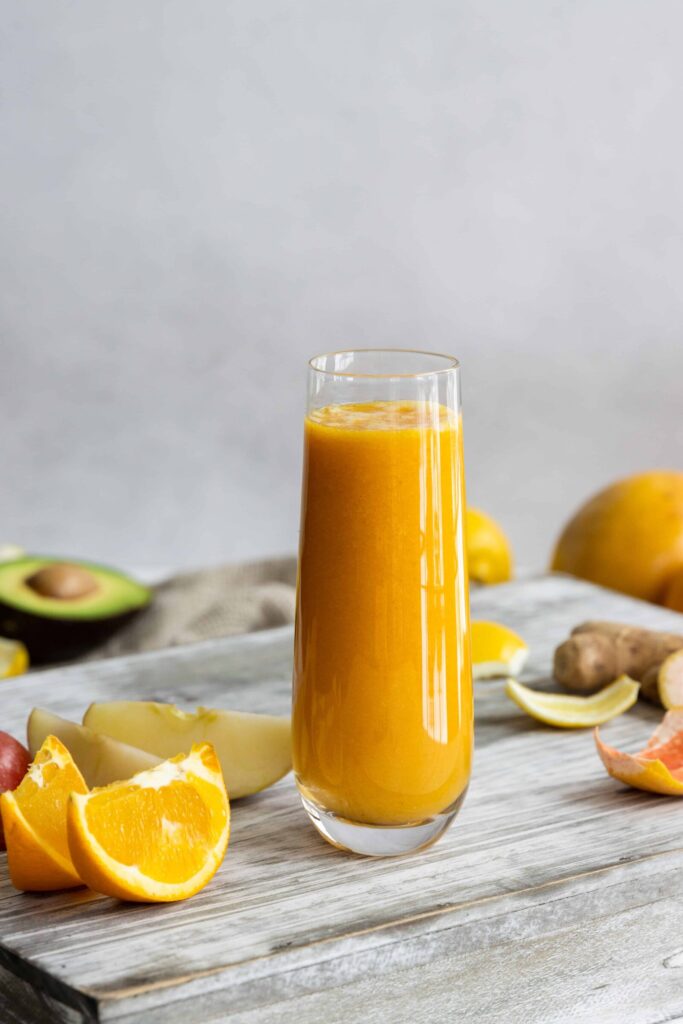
(556, 895)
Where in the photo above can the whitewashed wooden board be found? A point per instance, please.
(557, 895)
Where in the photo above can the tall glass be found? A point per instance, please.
(382, 701)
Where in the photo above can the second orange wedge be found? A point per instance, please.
(157, 837)
(34, 818)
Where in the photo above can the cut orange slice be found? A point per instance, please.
(34, 819)
(158, 837)
(658, 768)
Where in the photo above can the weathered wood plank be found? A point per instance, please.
(22, 1002)
(597, 949)
(287, 914)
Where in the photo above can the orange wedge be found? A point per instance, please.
(157, 837)
(658, 768)
(34, 819)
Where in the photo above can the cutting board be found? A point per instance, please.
(556, 895)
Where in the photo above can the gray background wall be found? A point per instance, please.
(198, 196)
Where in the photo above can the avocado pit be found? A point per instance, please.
(62, 582)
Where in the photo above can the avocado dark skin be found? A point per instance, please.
(62, 609)
(50, 641)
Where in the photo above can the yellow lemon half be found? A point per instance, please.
(489, 555)
(13, 658)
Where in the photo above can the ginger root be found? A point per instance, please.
(597, 653)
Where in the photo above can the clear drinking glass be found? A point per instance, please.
(382, 697)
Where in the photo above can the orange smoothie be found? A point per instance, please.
(382, 710)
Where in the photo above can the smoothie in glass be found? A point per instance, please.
(382, 708)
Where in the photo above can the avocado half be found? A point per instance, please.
(62, 608)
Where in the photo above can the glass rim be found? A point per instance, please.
(451, 361)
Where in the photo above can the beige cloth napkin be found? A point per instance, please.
(210, 603)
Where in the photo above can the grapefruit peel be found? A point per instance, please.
(658, 768)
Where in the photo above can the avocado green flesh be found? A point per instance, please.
(116, 594)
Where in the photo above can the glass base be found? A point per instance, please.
(380, 840)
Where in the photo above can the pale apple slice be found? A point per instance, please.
(101, 760)
(254, 750)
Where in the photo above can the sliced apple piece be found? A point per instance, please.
(100, 759)
(254, 750)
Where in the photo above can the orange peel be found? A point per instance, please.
(658, 768)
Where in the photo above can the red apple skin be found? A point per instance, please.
(14, 762)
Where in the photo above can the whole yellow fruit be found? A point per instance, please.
(489, 555)
(629, 537)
